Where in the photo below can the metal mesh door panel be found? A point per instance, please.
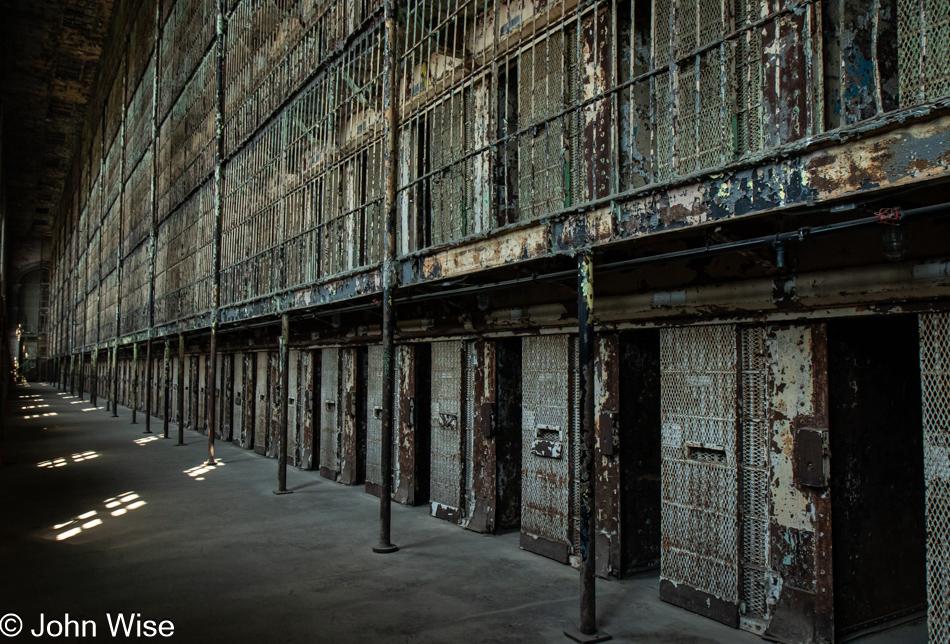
(699, 478)
(447, 424)
(329, 413)
(547, 414)
(754, 474)
(374, 424)
(935, 389)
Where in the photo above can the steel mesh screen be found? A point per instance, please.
(754, 474)
(330, 435)
(547, 405)
(447, 424)
(935, 390)
(699, 514)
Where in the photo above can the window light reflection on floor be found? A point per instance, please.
(123, 504)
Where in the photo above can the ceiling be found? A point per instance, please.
(49, 59)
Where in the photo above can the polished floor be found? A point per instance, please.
(101, 520)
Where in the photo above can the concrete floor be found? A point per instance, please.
(224, 559)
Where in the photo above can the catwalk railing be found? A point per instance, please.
(509, 112)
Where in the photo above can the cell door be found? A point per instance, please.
(249, 414)
(935, 395)
(203, 388)
(699, 565)
(293, 407)
(330, 413)
(275, 401)
(261, 403)
(189, 400)
(374, 418)
(237, 394)
(306, 411)
(549, 439)
(173, 391)
(226, 393)
(447, 476)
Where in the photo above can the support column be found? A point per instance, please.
(82, 371)
(148, 386)
(389, 246)
(284, 370)
(108, 381)
(166, 388)
(586, 350)
(181, 389)
(135, 379)
(72, 375)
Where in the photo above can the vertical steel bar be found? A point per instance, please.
(72, 374)
(586, 349)
(218, 205)
(152, 230)
(389, 210)
(94, 368)
(166, 389)
(135, 379)
(181, 389)
(284, 369)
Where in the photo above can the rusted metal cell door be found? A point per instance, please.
(353, 423)
(935, 395)
(173, 390)
(276, 396)
(699, 567)
(306, 404)
(203, 389)
(261, 402)
(447, 475)
(237, 394)
(549, 426)
(250, 399)
(189, 368)
(293, 407)
(374, 418)
(226, 389)
(330, 413)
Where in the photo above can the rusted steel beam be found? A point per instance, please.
(218, 209)
(284, 371)
(166, 387)
(390, 166)
(150, 314)
(94, 369)
(586, 352)
(114, 379)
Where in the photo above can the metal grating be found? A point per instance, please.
(447, 424)
(699, 514)
(754, 475)
(374, 423)
(469, 455)
(330, 435)
(935, 388)
(548, 410)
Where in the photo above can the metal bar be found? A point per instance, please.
(166, 388)
(135, 380)
(152, 232)
(390, 163)
(93, 370)
(181, 389)
(586, 355)
(284, 370)
(218, 205)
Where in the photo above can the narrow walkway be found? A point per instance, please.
(100, 519)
